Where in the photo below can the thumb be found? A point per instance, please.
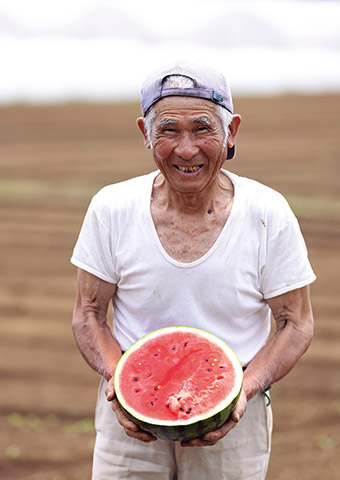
(110, 391)
(240, 408)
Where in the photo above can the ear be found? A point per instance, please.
(233, 129)
(141, 125)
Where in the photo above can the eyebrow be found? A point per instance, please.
(203, 120)
(167, 121)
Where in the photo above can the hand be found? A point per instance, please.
(131, 429)
(211, 438)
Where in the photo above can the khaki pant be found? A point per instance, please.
(243, 454)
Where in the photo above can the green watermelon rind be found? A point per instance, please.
(185, 431)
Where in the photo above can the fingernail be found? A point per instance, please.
(109, 394)
(237, 417)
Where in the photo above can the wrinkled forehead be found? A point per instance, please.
(180, 108)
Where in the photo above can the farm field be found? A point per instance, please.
(52, 160)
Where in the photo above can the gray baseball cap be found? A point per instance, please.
(208, 83)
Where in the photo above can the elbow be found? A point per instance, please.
(310, 336)
(308, 332)
(84, 319)
(77, 322)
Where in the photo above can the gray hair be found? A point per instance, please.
(180, 81)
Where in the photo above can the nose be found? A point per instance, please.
(186, 148)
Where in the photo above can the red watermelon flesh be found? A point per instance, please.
(178, 377)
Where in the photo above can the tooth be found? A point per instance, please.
(189, 169)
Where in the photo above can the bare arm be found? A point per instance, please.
(293, 316)
(89, 324)
(294, 330)
(96, 342)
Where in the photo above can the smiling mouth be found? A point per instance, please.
(192, 169)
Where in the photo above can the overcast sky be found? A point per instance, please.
(101, 49)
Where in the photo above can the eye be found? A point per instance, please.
(169, 130)
(202, 129)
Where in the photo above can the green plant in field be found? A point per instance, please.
(31, 421)
(13, 451)
(325, 442)
(81, 426)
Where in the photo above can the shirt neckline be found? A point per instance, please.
(225, 232)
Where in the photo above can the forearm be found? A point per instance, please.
(96, 343)
(89, 324)
(275, 360)
(294, 320)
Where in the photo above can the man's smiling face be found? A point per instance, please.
(188, 143)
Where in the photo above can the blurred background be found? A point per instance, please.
(70, 78)
(102, 49)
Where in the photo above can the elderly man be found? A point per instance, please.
(191, 244)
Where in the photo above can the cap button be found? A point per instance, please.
(217, 96)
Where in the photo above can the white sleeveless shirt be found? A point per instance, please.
(259, 254)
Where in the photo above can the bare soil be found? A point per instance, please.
(53, 159)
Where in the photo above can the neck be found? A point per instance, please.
(217, 196)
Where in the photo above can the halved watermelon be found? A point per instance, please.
(178, 383)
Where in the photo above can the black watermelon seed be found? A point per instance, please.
(188, 411)
(220, 377)
(178, 398)
(182, 409)
(173, 348)
(135, 379)
(209, 369)
(151, 403)
(137, 390)
(155, 355)
(207, 359)
(186, 343)
(168, 406)
(222, 367)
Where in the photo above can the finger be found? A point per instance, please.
(198, 442)
(240, 408)
(236, 416)
(110, 391)
(220, 433)
(122, 418)
(140, 435)
(210, 438)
